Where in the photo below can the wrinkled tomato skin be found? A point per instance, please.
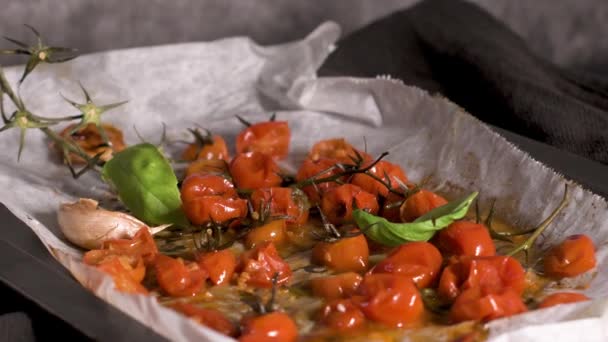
(288, 202)
(255, 170)
(176, 279)
(216, 209)
(343, 285)
(217, 167)
(141, 245)
(338, 203)
(338, 149)
(270, 138)
(91, 142)
(208, 317)
(390, 299)
(572, 257)
(382, 169)
(480, 305)
(217, 149)
(320, 168)
(419, 204)
(344, 255)
(418, 261)
(342, 315)
(272, 327)
(562, 298)
(220, 265)
(466, 238)
(198, 185)
(126, 278)
(261, 264)
(273, 231)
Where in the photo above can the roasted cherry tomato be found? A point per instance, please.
(216, 167)
(338, 203)
(270, 138)
(198, 185)
(273, 231)
(178, 279)
(390, 173)
(419, 204)
(208, 317)
(210, 147)
(390, 299)
(338, 286)
(418, 261)
(346, 254)
(491, 274)
(483, 305)
(562, 298)
(141, 245)
(214, 209)
(258, 266)
(275, 326)
(574, 256)
(290, 202)
(337, 149)
(466, 238)
(255, 170)
(91, 142)
(342, 314)
(220, 265)
(126, 277)
(317, 169)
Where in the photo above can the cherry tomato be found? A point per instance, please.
(273, 231)
(270, 138)
(91, 142)
(419, 261)
(390, 208)
(198, 185)
(289, 202)
(338, 203)
(482, 305)
(216, 167)
(390, 299)
(255, 170)
(346, 254)
(214, 147)
(341, 315)
(388, 172)
(208, 317)
(419, 204)
(466, 238)
(562, 298)
(220, 265)
(338, 286)
(320, 168)
(141, 245)
(216, 209)
(126, 278)
(574, 256)
(178, 279)
(259, 266)
(337, 149)
(275, 326)
(491, 274)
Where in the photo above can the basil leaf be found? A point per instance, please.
(146, 184)
(423, 228)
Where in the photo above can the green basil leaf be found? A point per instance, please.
(423, 228)
(146, 184)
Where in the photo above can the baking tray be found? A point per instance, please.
(28, 268)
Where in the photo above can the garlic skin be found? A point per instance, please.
(87, 225)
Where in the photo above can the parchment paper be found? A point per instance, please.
(208, 83)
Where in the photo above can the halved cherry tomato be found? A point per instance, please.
(258, 266)
(275, 326)
(126, 277)
(214, 148)
(289, 202)
(388, 172)
(141, 245)
(220, 265)
(574, 256)
(214, 209)
(273, 231)
(208, 317)
(391, 299)
(491, 274)
(270, 138)
(320, 168)
(418, 261)
(483, 305)
(216, 167)
(562, 298)
(338, 286)
(91, 142)
(178, 279)
(466, 238)
(338, 203)
(419, 204)
(198, 185)
(342, 314)
(255, 170)
(344, 255)
(338, 149)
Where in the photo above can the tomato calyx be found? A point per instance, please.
(331, 233)
(256, 303)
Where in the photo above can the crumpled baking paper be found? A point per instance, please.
(206, 84)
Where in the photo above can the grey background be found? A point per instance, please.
(569, 32)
